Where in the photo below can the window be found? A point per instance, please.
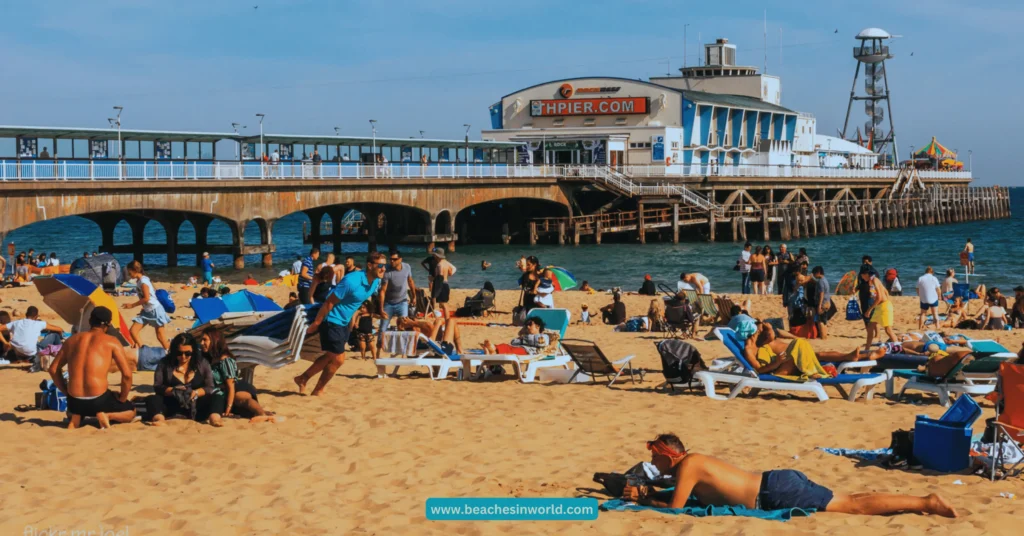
(559, 121)
(620, 120)
(589, 122)
(675, 145)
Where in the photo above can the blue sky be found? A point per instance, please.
(436, 65)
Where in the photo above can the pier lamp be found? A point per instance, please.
(912, 160)
(262, 148)
(337, 131)
(117, 121)
(684, 45)
(238, 147)
(467, 142)
(970, 160)
(421, 134)
(373, 129)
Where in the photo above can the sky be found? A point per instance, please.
(436, 65)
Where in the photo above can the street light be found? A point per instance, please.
(373, 153)
(421, 133)
(970, 160)
(262, 148)
(912, 160)
(118, 122)
(467, 142)
(337, 131)
(684, 45)
(238, 148)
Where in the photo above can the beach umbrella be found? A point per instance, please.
(73, 298)
(934, 151)
(209, 309)
(564, 280)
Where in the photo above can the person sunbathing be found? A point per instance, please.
(718, 483)
(789, 357)
(531, 341)
(443, 331)
(955, 313)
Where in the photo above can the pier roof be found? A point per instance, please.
(170, 135)
(734, 101)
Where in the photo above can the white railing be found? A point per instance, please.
(146, 171)
(139, 170)
(622, 181)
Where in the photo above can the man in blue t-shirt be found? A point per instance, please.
(306, 274)
(346, 298)
(208, 266)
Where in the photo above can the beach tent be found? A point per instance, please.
(74, 297)
(934, 151)
(209, 309)
(101, 270)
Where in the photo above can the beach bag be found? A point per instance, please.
(853, 310)
(679, 361)
(165, 300)
(52, 397)
(519, 313)
(902, 449)
(150, 356)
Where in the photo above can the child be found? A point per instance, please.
(531, 340)
(584, 315)
(362, 323)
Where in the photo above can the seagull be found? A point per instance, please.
(837, 30)
(911, 53)
(255, 7)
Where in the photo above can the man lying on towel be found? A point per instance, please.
(717, 483)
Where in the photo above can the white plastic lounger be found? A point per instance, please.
(527, 366)
(439, 364)
(268, 352)
(747, 377)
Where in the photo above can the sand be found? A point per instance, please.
(364, 457)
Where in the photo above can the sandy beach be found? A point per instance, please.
(365, 457)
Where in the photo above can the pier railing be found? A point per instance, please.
(224, 170)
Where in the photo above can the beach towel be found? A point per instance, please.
(804, 357)
(400, 343)
(871, 455)
(695, 509)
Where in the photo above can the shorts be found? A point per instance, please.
(208, 278)
(155, 317)
(441, 293)
(784, 489)
(882, 315)
(757, 276)
(926, 306)
(304, 297)
(970, 257)
(365, 337)
(333, 337)
(105, 403)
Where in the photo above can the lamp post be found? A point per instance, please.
(117, 120)
(684, 45)
(373, 129)
(263, 149)
(467, 142)
(238, 148)
(970, 160)
(912, 161)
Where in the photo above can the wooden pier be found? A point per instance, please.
(793, 218)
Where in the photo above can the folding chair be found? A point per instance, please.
(1009, 422)
(590, 360)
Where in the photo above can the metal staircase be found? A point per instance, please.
(623, 184)
(906, 182)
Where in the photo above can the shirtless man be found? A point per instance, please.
(88, 356)
(969, 250)
(717, 483)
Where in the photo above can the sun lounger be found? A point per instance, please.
(262, 344)
(978, 378)
(706, 305)
(746, 377)
(590, 360)
(1009, 423)
(438, 362)
(527, 366)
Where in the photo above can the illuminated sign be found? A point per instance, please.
(606, 106)
(566, 90)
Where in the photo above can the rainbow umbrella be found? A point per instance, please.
(564, 280)
(73, 297)
(934, 151)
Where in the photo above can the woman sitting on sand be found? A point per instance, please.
(183, 383)
(654, 321)
(239, 396)
(152, 314)
(531, 340)
(995, 315)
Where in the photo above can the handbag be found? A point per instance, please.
(519, 312)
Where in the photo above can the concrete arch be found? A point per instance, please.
(444, 223)
(493, 221)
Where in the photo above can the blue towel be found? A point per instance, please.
(695, 509)
(858, 454)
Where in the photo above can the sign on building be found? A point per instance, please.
(606, 106)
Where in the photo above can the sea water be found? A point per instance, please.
(997, 245)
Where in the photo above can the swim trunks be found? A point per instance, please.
(882, 315)
(333, 337)
(970, 256)
(926, 306)
(786, 488)
(105, 403)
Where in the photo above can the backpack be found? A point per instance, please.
(902, 448)
(165, 300)
(679, 361)
(853, 310)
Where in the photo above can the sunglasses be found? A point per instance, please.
(186, 354)
(381, 265)
(396, 258)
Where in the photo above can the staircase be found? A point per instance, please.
(907, 181)
(622, 184)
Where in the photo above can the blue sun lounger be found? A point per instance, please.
(748, 377)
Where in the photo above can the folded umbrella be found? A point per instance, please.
(73, 298)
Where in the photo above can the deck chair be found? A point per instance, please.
(1009, 422)
(706, 304)
(590, 360)
(681, 320)
(439, 363)
(263, 344)
(725, 305)
(481, 305)
(421, 304)
(526, 367)
(975, 378)
(744, 376)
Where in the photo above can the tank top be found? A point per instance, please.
(152, 302)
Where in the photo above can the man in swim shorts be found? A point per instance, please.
(88, 357)
(717, 483)
(969, 250)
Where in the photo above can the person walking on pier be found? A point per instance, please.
(743, 265)
(208, 266)
(152, 314)
(306, 276)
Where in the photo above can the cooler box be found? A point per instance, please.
(944, 444)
